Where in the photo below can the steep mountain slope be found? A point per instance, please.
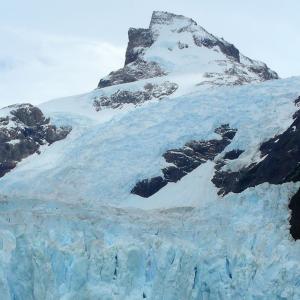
(174, 182)
(176, 45)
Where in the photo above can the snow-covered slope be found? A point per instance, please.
(135, 202)
(103, 157)
(175, 45)
(168, 59)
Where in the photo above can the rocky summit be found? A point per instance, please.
(176, 44)
(177, 178)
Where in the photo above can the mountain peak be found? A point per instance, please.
(176, 45)
(167, 18)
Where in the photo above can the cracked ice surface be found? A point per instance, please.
(235, 248)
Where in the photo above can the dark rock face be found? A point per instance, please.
(148, 187)
(136, 68)
(6, 166)
(233, 154)
(139, 69)
(185, 160)
(228, 49)
(294, 206)
(280, 164)
(29, 115)
(22, 132)
(137, 39)
(264, 72)
(149, 91)
(233, 53)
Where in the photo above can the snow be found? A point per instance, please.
(192, 60)
(193, 190)
(70, 229)
(103, 158)
(13, 142)
(166, 52)
(4, 112)
(73, 230)
(176, 51)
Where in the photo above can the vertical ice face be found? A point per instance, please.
(234, 247)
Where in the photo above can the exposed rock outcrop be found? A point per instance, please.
(294, 206)
(149, 91)
(184, 160)
(23, 129)
(138, 39)
(137, 70)
(233, 154)
(280, 163)
(210, 42)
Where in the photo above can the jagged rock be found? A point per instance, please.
(149, 91)
(185, 160)
(138, 39)
(280, 163)
(225, 47)
(139, 69)
(233, 67)
(148, 187)
(29, 115)
(22, 132)
(263, 72)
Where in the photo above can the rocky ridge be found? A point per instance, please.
(23, 130)
(148, 92)
(143, 61)
(184, 160)
(279, 163)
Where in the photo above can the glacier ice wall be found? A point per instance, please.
(236, 248)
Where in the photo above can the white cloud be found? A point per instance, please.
(35, 68)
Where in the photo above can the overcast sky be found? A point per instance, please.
(62, 47)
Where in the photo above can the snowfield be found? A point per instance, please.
(106, 154)
(72, 230)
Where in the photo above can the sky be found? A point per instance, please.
(57, 48)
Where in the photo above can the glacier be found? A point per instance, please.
(106, 156)
(70, 228)
(237, 248)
